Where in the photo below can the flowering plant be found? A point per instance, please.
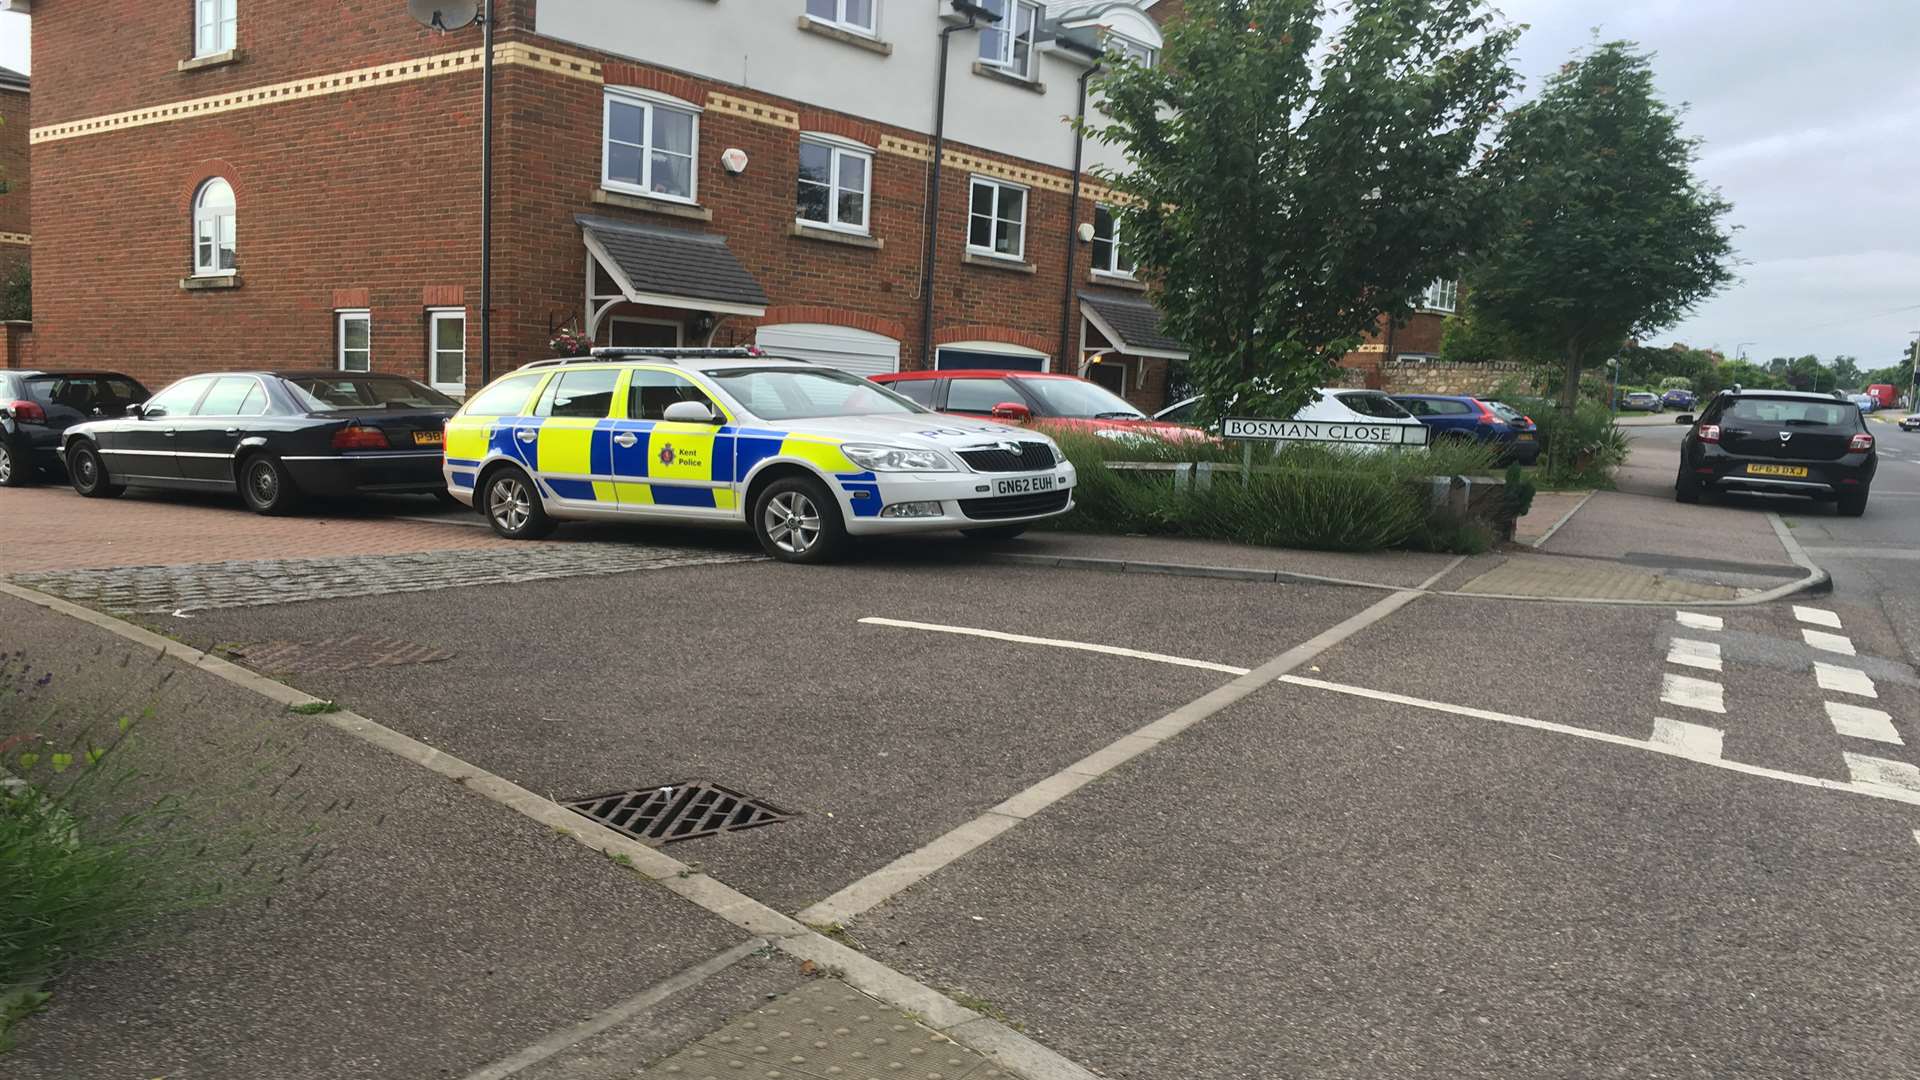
(570, 342)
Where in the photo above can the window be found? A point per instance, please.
(980, 395)
(1109, 375)
(630, 333)
(854, 15)
(213, 229)
(1009, 42)
(834, 185)
(1072, 397)
(1374, 404)
(587, 394)
(327, 392)
(1442, 295)
(1443, 407)
(233, 396)
(997, 218)
(213, 25)
(508, 397)
(178, 399)
(650, 392)
(649, 147)
(1127, 48)
(353, 340)
(1109, 257)
(447, 349)
(916, 390)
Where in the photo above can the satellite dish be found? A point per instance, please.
(444, 14)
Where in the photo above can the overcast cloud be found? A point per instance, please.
(1811, 116)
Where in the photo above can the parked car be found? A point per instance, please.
(1640, 401)
(1058, 402)
(1679, 399)
(1910, 422)
(807, 456)
(1866, 402)
(1780, 442)
(272, 436)
(37, 406)
(1463, 418)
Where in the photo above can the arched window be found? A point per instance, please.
(213, 229)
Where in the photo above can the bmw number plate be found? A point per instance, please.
(1022, 485)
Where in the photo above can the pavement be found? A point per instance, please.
(1032, 819)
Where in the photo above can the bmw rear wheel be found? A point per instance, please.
(89, 473)
(797, 521)
(513, 506)
(266, 487)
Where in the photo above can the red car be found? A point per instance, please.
(1017, 397)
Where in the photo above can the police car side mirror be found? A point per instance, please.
(689, 412)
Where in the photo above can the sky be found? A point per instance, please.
(1810, 114)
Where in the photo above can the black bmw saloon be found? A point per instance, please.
(272, 436)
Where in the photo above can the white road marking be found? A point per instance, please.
(1845, 680)
(1871, 790)
(1833, 643)
(1696, 741)
(1691, 693)
(1690, 653)
(1879, 772)
(1916, 836)
(1696, 621)
(1083, 646)
(1816, 616)
(1862, 722)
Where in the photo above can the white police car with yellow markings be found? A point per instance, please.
(805, 455)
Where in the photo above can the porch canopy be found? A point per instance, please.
(663, 267)
(1131, 324)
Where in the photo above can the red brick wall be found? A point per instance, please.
(16, 345)
(14, 215)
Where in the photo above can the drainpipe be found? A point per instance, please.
(931, 243)
(1073, 219)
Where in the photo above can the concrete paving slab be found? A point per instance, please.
(438, 932)
(1314, 886)
(759, 677)
(1648, 530)
(1591, 579)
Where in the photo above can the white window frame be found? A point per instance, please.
(1007, 32)
(1132, 48)
(340, 320)
(1026, 207)
(215, 26)
(839, 150)
(436, 316)
(648, 103)
(232, 229)
(839, 21)
(1112, 269)
(1442, 295)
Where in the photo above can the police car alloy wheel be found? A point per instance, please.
(796, 521)
(513, 509)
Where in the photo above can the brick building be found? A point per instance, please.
(1415, 340)
(267, 182)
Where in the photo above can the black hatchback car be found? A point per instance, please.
(37, 406)
(1780, 442)
(273, 436)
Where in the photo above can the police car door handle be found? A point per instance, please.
(526, 434)
(625, 438)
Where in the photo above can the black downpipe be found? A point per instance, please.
(1073, 224)
(932, 242)
(486, 195)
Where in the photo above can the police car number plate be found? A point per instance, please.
(1022, 485)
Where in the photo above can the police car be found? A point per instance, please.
(805, 455)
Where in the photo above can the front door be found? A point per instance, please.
(572, 437)
(208, 438)
(671, 469)
(148, 446)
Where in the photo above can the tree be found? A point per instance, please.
(1470, 336)
(1846, 372)
(1282, 196)
(1608, 235)
(1750, 376)
(16, 293)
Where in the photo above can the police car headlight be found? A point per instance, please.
(897, 459)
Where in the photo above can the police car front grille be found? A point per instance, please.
(683, 811)
(1013, 506)
(1032, 456)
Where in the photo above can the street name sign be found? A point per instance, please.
(1379, 433)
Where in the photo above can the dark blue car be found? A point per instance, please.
(1678, 399)
(1460, 417)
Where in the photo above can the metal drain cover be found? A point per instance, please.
(683, 811)
(351, 653)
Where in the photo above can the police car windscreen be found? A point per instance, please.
(800, 394)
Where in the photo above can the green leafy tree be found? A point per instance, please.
(1269, 169)
(1471, 336)
(1846, 372)
(16, 294)
(1609, 235)
(1749, 375)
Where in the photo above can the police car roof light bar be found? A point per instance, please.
(669, 355)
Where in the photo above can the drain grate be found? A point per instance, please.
(351, 653)
(683, 811)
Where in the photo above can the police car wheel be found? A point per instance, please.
(513, 509)
(797, 521)
(995, 534)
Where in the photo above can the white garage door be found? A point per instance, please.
(855, 351)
